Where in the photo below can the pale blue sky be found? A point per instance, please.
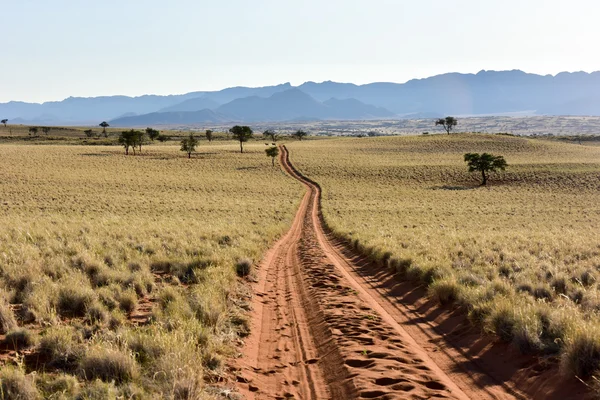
(60, 48)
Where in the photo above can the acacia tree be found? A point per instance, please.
(152, 133)
(104, 125)
(129, 139)
(485, 163)
(448, 123)
(4, 121)
(46, 129)
(299, 134)
(209, 135)
(270, 133)
(241, 134)
(189, 145)
(33, 130)
(272, 152)
(139, 139)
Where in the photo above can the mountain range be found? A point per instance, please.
(484, 93)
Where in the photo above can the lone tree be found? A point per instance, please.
(241, 134)
(189, 145)
(104, 125)
(485, 163)
(46, 130)
(299, 134)
(448, 123)
(129, 139)
(272, 152)
(209, 135)
(152, 133)
(33, 130)
(270, 133)
(4, 121)
(139, 139)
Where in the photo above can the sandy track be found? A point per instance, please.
(324, 330)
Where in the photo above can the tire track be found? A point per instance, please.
(319, 332)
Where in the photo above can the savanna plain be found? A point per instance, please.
(120, 276)
(521, 255)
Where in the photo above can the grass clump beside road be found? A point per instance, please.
(520, 255)
(119, 275)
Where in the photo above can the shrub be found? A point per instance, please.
(128, 301)
(58, 387)
(73, 301)
(7, 318)
(20, 339)
(16, 385)
(502, 322)
(96, 314)
(581, 357)
(243, 267)
(63, 347)
(108, 364)
(445, 291)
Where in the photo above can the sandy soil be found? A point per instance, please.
(328, 324)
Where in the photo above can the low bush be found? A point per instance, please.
(445, 291)
(108, 364)
(20, 339)
(7, 318)
(16, 385)
(243, 267)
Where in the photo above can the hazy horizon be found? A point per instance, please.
(149, 47)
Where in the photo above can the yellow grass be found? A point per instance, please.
(83, 229)
(527, 243)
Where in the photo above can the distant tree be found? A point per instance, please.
(448, 123)
(272, 152)
(189, 145)
(89, 133)
(162, 138)
(485, 163)
(299, 134)
(33, 130)
(129, 139)
(270, 133)
(152, 133)
(4, 121)
(139, 139)
(241, 134)
(46, 129)
(209, 135)
(104, 125)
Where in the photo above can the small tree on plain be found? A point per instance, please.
(299, 134)
(272, 152)
(139, 139)
(485, 163)
(4, 121)
(162, 138)
(46, 130)
(209, 135)
(448, 123)
(33, 130)
(270, 133)
(152, 133)
(104, 125)
(241, 134)
(89, 133)
(128, 139)
(189, 145)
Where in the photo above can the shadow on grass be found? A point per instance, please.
(453, 187)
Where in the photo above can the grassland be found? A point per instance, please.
(118, 273)
(521, 255)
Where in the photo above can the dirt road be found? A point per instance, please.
(323, 328)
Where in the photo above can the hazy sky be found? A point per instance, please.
(60, 48)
